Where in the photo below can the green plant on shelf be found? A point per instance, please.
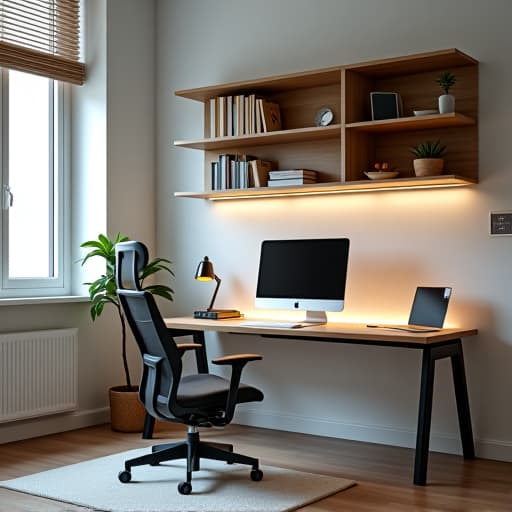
(428, 149)
(446, 81)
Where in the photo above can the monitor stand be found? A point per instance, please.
(315, 317)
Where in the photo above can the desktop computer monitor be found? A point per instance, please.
(307, 274)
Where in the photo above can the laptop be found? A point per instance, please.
(428, 310)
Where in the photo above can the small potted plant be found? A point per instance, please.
(446, 81)
(429, 158)
(127, 412)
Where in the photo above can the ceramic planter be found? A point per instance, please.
(446, 103)
(428, 166)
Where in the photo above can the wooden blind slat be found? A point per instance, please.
(42, 37)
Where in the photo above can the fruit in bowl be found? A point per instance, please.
(382, 171)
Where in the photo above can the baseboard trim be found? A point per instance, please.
(439, 442)
(45, 425)
(494, 449)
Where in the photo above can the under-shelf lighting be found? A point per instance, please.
(341, 191)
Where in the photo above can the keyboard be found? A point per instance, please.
(274, 325)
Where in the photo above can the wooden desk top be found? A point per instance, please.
(332, 330)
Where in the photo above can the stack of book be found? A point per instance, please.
(243, 115)
(291, 177)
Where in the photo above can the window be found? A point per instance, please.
(33, 176)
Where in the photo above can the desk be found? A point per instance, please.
(434, 346)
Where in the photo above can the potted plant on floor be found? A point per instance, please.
(127, 412)
(446, 81)
(429, 158)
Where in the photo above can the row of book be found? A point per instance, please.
(243, 115)
(239, 171)
(232, 171)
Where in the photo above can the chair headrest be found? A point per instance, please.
(131, 258)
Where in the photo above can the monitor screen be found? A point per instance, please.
(305, 274)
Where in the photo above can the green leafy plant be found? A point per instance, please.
(428, 149)
(446, 80)
(102, 291)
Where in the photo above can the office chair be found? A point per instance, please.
(199, 400)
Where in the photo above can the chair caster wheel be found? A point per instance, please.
(256, 475)
(124, 476)
(184, 488)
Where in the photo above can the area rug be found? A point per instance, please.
(218, 487)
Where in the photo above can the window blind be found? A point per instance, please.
(42, 37)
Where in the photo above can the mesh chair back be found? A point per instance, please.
(148, 327)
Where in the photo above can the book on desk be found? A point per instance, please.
(218, 314)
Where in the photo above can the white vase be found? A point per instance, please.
(446, 103)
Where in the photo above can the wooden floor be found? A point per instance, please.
(383, 473)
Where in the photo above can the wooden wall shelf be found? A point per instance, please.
(263, 139)
(412, 123)
(343, 151)
(443, 181)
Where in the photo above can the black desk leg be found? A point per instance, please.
(424, 417)
(201, 359)
(453, 350)
(461, 396)
(149, 425)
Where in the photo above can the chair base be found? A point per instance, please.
(193, 450)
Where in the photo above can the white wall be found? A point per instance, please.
(398, 239)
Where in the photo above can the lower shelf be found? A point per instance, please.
(445, 180)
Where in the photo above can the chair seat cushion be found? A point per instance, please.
(206, 391)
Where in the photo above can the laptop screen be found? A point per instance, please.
(429, 306)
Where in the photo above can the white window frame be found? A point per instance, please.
(59, 160)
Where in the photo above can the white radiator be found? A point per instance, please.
(38, 373)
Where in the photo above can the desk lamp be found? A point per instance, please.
(205, 272)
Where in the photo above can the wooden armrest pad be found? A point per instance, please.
(237, 358)
(188, 346)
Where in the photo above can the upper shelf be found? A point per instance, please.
(268, 85)
(445, 180)
(412, 123)
(262, 139)
(412, 64)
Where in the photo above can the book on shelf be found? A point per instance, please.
(270, 115)
(213, 117)
(259, 126)
(222, 114)
(214, 176)
(252, 110)
(290, 181)
(258, 172)
(229, 115)
(293, 173)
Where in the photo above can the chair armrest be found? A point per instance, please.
(183, 347)
(237, 358)
(237, 362)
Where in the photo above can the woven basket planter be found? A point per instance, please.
(126, 410)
